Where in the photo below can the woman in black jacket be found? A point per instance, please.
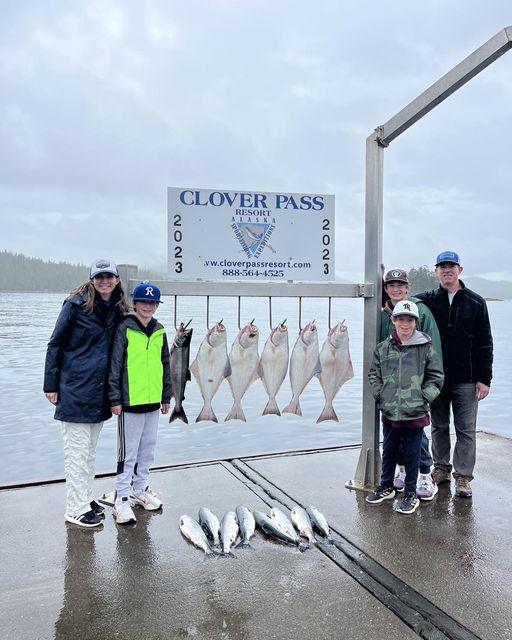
(76, 370)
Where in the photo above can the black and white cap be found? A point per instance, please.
(406, 308)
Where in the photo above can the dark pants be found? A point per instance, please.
(407, 443)
(425, 457)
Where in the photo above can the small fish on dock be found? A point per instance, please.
(192, 530)
(319, 522)
(302, 521)
(247, 525)
(271, 528)
(228, 533)
(210, 525)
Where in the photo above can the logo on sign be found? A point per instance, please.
(253, 236)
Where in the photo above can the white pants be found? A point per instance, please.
(79, 462)
(136, 440)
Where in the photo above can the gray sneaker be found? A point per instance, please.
(463, 487)
(440, 475)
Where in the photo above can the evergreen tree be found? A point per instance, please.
(422, 279)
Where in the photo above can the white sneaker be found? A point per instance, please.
(426, 488)
(123, 511)
(147, 499)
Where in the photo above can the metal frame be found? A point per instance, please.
(368, 467)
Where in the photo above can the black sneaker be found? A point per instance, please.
(408, 503)
(98, 509)
(89, 519)
(379, 495)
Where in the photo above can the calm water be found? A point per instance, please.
(30, 439)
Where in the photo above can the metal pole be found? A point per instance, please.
(367, 471)
(368, 467)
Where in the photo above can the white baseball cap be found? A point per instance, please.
(406, 308)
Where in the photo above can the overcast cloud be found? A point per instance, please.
(103, 105)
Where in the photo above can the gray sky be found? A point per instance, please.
(103, 105)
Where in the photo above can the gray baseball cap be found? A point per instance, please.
(103, 265)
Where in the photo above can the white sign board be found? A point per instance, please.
(243, 235)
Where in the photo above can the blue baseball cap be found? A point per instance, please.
(146, 292)
(448, 256)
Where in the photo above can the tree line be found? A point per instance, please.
(21, 273)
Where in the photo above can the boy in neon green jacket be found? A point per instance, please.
(139, 386)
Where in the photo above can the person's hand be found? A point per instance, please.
(117, 410)
(52, 397)
(482, 390)
(165, 408)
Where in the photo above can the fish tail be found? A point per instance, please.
(229, 554)
(302, 546)
(207, 414)
(211, 554)
(178, 414)
(293, 407)
(271, 408)
(244, 545)
(328, 413)
(236, 413)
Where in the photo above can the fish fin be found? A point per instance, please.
(227, 369)
(244, 545)
(236, 413)
(206, 414)
(188, 376)
(211, 555)
(178, 415)
(328, 413)
(194, 369)
(271, 408)
(318, 368)
(260, 369)
(293, 407)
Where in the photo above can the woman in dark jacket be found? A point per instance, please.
(76, 370)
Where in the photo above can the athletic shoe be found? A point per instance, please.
(88, 519)
(426, 489)
(123, 511)
(408, 503)
(440, 475)
(98, 509)
(379, 495)
(147, 499)
(399, 481)
(463, 487)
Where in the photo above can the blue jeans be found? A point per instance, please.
(407, 443)
(425, 457)
(464, 405)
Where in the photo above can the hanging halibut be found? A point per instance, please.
(210, 368)
(336, 368)
(273, 366)
(304, 364)
(243, 359)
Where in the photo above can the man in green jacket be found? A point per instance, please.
(396, 286)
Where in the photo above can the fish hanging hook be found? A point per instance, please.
(329, 315)
(300, 313)
(239, 312)
(270, 311)
(176, 312)
(208, 312)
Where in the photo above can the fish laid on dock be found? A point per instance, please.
(210, 525)
(302, 521)
(273, 366)
(271, 528)
(180, 374)
(210, 367)
(228, 532)
(247, 525)
(243, 359)
(336, 368)
(282, 520)
(319, 522)
(304, 364)
(193, 531)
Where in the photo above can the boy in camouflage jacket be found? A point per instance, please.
(405, 377)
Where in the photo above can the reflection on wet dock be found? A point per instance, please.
(443, 572)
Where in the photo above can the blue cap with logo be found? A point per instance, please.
(146, 292)
(448, 256)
